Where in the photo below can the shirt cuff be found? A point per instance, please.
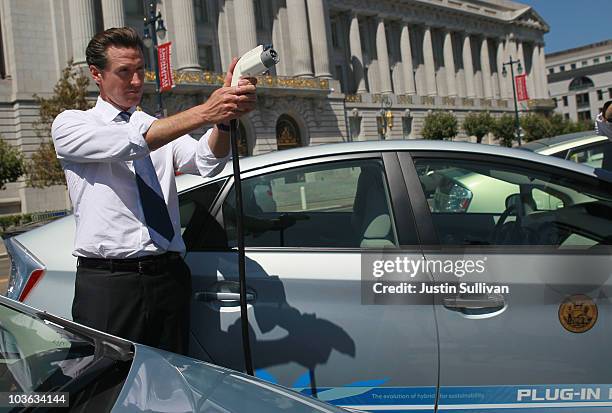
(208, 164)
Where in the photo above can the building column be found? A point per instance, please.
(430, 68)
(512, 53)
(225, 45)
(520, 54)
(280, 38)
(318, 35)
(468, 66)
(512, 49)
(246, 31)
(356, 54)
(383, 57)
(530, 75)
(485, 66)
(113, 13)
(535, 71)
(300, 44)
(449, 64)
(543, 73)
(407, 67)
(83, 23)
(501, 58)
(186, 41)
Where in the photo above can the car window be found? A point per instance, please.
(199, 199)
(545, 201)
(592, 155)
(330, 205)
(481, 203)
(38, 356)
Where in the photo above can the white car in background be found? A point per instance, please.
(581, 147)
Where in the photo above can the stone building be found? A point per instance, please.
(343, 64)
(580, 79)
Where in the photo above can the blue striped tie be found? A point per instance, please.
(152, 201)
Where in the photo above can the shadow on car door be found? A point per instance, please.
(310, 329)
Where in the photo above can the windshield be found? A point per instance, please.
(37, 355)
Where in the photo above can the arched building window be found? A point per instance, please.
(580, 83)
(287, 133)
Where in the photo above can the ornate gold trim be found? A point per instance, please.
(216, 79)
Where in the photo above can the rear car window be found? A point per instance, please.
(38, 356)
(486, 203)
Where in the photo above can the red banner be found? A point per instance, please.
(521, 88)
(165, 69)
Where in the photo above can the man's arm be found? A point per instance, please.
(223, 105)
(77, 139)
(196, 157)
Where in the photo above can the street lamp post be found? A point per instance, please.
(386, 116)
(519, 69)
(150, 40)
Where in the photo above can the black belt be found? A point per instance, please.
(149, 264)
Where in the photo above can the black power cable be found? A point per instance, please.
(244, 317)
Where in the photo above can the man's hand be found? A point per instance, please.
(223, 105)
(229, 102)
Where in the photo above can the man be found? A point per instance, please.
(120, 163)
(603, 126)
(603, 121)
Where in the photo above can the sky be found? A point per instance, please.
(574, 23)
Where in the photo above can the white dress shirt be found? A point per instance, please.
(603, 127)
(96, 148)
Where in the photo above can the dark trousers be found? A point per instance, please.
(147, 307)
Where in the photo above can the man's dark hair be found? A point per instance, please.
(604, 109)
(118, 37)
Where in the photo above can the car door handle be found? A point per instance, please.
(221, 296)
(463, 303)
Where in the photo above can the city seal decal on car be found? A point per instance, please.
(578, 313)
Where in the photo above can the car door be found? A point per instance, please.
(530, 327)
(308, 225)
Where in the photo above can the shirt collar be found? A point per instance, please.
(107, 111)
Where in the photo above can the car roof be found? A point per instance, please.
(274, 158)
(569, 140)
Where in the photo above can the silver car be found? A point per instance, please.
(51, 363)
(317, 217)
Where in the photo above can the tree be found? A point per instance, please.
(504, 129)
(70, 92)
(12, 165)
(559, 125)
(536, 127)
(440, 125)
(581, 126)
(478, 124)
